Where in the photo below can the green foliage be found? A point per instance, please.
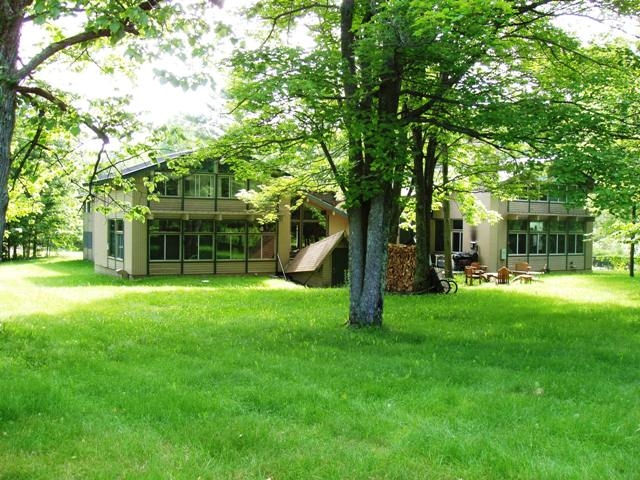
(616, 262)
(252, 377)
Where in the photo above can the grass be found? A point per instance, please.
(255, 378)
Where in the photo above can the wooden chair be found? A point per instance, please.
(522, 267)
(503, 276)
(470, 275)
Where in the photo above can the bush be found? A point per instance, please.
(611, 262)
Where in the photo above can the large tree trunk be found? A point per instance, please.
(424, 170)
(369, 227)
(10, 24)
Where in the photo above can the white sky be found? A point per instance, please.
(156, 102)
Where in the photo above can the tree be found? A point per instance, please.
(380, 71)
(97, 25)
(600, 155)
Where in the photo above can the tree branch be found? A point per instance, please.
(83, 37)
(41, 92)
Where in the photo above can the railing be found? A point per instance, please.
(540, 207)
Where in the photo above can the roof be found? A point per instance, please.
(140, 167)
(325, 203)
(311, 257)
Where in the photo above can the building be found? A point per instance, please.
(543, 231)
(199, 227)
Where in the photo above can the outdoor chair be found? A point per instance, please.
(470, 275)
(503, 276)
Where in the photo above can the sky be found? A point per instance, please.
(157, 102)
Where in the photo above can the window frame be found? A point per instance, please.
(115, 238)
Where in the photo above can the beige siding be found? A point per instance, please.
(337, 223)
(576, 262)
(164, 268)
(166, 204)
(136, 252)
(558, 208)
(557, 263)
(87, 229)
(230, 267)
(513, 259)
(198, 268)
(100, 245)
(232, 206)
(199, 204)
(518, 207)
(262, 266)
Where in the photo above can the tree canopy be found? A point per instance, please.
(73, 31)
(384, 83)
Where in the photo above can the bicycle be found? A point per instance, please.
(439, 283)
(451, 285)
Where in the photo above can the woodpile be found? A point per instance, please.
(401, 267)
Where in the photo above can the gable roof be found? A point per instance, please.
(321, 202)
(140, 167)
(311, 257)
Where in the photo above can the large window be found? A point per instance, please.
(199, 186)
(537, 238)
(198, 239)
(517, 237)
(115, 241)
(228, 187)
(164, 239)
(553, 237)
(261, 241)
(308, 225)
(457, 240)
(230, 244)
(169, 188)
(557, 237)
(575, 237)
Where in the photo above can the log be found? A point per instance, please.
(401, 267)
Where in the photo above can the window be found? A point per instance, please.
(228, 187)
(537, 244)
(575, 237)
(261, 241)
(517, 237)
(230, 240)
(517, 243)
(169, 188)
(558, 195)
(308, 225)
(115, 243)
(164, 240)
(456, 236)
(198, 239)
(557, 243)
(557, 237)
(536, 227)
(199, 186)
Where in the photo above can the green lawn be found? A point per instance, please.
(255, 378)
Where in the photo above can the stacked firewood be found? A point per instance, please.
(401, 267)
